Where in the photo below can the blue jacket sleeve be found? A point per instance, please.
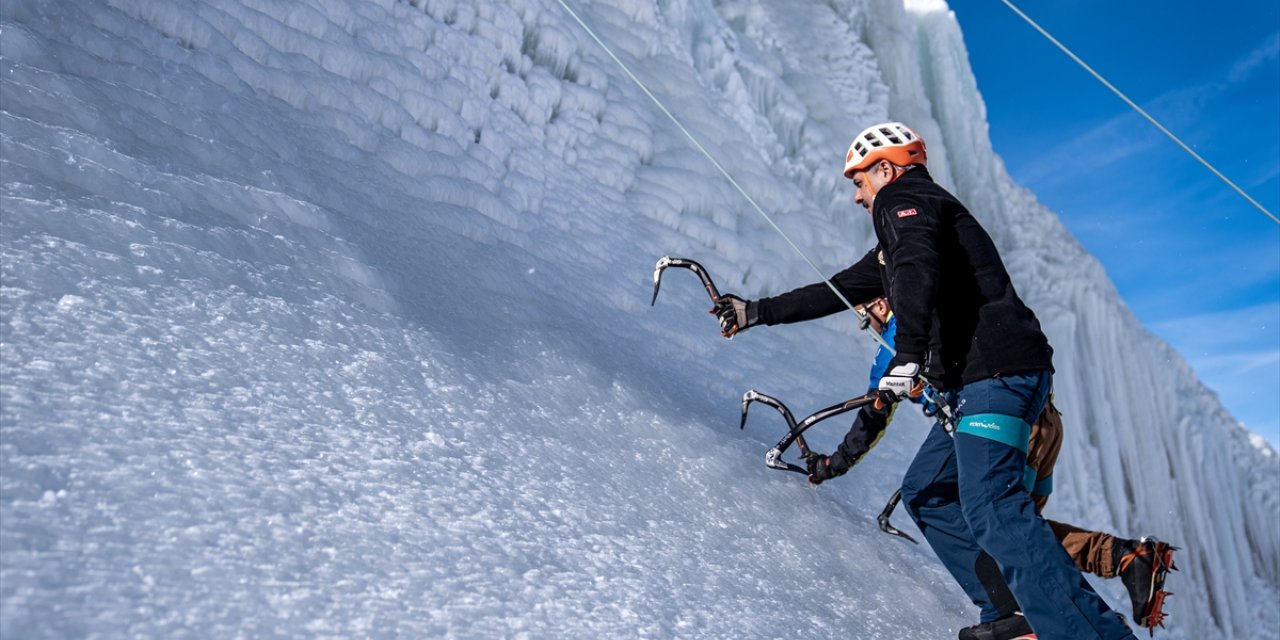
(871, 423)
(865, 433)
(883, 356)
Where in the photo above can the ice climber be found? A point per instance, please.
(1140, 564)
(964, 330)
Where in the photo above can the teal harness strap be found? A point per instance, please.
(1029, 480)
(1006, 430)
(1010, 431)
(1044, 487)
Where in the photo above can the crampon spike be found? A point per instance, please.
(1162, 561)
(1157, 615)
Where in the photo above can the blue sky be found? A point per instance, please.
(1197, 263)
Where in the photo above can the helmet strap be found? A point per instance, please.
(871, 189)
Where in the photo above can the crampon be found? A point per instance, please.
(1143, 570)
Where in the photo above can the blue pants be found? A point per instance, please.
(967, 495)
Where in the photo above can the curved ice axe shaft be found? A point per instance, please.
(773, 458)
(795, 432)
(883, 518)
(684, 263)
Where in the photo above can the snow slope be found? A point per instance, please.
(330, 319)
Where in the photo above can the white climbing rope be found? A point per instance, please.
(698, 145)
(1140, 110)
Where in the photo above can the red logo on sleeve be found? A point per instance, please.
(906, 213)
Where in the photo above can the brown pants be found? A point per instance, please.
(1090, 550)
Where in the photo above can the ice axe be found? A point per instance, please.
(883, 518)
(684, 263)
(795, 432)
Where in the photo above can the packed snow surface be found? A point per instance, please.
(331, 319)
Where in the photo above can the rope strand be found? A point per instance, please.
(1140, 110)
(717, 165)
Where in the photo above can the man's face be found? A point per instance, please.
(875, 313)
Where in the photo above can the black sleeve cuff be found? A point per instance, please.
(840, 463)
(907, 357)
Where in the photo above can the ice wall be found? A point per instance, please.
(331, 318)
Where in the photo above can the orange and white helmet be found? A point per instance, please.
(892, 141)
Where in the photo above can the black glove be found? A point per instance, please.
(735, 314)
(821, 469)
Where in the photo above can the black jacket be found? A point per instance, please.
(958, 314)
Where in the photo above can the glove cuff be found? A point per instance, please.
(752, 313)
